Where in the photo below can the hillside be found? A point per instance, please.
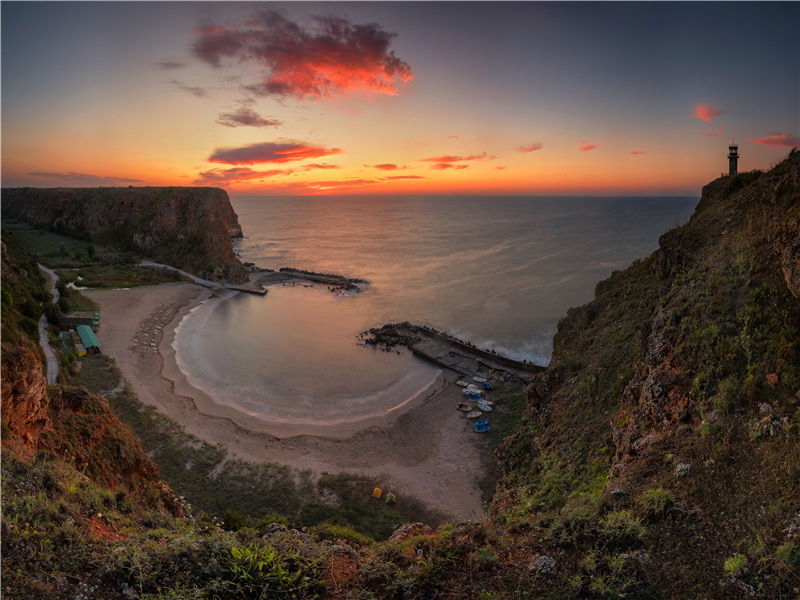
(659, 457)
(188, 228)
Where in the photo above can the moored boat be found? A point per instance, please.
(480, 379)
(484, 407)
(482, 422)
(487, 386)
(474, 414)
(482, 428)
(464, 407)
(462, 383)
(475, 398)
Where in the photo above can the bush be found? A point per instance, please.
(232, 520)
(735, 565)
(656, 502)
(623, 525)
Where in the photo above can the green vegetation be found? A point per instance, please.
(657, 457)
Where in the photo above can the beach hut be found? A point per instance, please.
(88, 339)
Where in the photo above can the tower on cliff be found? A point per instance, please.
(733, 158)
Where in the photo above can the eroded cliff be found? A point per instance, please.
(185, 227)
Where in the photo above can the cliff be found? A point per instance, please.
(659, 457)
(188, 228)
(666, 427)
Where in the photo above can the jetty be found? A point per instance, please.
(449, 352)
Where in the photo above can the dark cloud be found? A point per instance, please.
(336, 57)
(170, 65)
(246, 117)
(197, 92)
(778, 139)
(276, 152)
(84, 178)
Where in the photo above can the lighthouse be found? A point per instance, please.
(733, 157)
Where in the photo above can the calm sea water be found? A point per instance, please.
(498, 271)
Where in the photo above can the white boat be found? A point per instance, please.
(479, 379)
(484, 407)
(472, 391)
(462, 383)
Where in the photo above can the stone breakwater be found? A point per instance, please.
(448, 352)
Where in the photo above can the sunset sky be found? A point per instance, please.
(397, 98)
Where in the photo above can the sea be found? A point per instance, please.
(493, 270)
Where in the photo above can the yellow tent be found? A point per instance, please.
(377, 493)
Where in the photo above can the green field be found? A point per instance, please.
(39, 242)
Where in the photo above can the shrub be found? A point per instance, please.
(232, 520)
(656, 502)
(735, 565)
(622, 525)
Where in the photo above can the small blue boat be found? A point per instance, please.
(487, 386)
(484, 422)
(482, 428)
(475, 398)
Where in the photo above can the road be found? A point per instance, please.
(44, 341)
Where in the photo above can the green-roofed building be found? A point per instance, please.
(88, 339)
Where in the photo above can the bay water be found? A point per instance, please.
(496, 271)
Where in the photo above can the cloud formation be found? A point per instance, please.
(778, 139)
(85, 178)
(246, 117)
(385, 167)
(636, 152)
(707, 112)
(281, 151)
(336, 57)
(529, 148)
(449, 161)
(170, 65)
(197, 92)
(236, 175)
(586, 146)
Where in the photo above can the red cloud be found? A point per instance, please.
(586, 146)
(337, 57)
(236, 175)
(320, 166)
(706, 112)
(393, 177)
(778, 139)
(276, 152)
(246, 117)
(636, 152)
(529, 148)
(386, 167)
(448, 161)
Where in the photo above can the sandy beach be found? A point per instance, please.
(426, 450)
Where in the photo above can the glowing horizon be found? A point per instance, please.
(524, 98)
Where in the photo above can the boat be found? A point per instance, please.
(475, 398)
(474, 414)
(471, 391)
(480, 379)
(464, 407)
(487, 386)
(482, 422)
(484, 407)
(482, 428)
(462, 383)
(485, 401)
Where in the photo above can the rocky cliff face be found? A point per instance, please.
(189, 228)
(679, 381)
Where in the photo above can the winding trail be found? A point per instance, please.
(44, 342)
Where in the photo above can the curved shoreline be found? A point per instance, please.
(426, 450)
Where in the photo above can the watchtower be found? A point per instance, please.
(733, 157)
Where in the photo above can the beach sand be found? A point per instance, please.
(426, 451)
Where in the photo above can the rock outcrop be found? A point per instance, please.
(188, 228)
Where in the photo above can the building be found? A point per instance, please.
(733, 158)
(88, 339)
(73, 319)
